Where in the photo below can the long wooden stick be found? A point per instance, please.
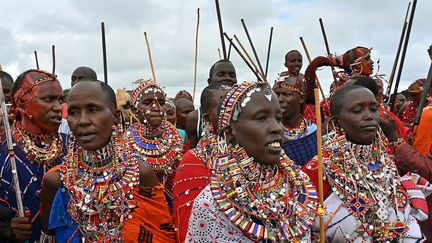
(36, 59)
(150, 57)
(221, 32)
(309, 59)
(396, 60)
(196, 55)
(11, 153)
(104, 53)
(268, 52)
(220, 57)
(249, 58)
(423, 98)
(242, 56)
(320, 165)
(53, 59)
(253, 47)
(327, 46)
(229, 51)
(405, 47)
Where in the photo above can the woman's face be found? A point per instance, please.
(259, 128)
(359, 116)
(150, 108)
(366, 62)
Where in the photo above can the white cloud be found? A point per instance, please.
(74, 27)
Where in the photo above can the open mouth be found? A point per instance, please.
(274, 146)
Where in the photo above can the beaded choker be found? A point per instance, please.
(295, 133)
(365, 179)
(161, 151)
(280, 207)
(40, 149)
(100, 197)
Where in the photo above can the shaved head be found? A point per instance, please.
(82, 73)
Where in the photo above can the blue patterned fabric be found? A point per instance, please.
(30, 179)
(303, 149)
(61, 221)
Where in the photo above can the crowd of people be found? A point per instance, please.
(95, 165)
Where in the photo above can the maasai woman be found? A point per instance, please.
(102, 193)
(415, 90)
(294, 63)
(256, 192)
(367, 201)
(154, 140)
(193, 173)
(300, 143)
(36, 99)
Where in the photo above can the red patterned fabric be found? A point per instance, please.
(402, 130)
(192, 176)
(409, 113)
(309, 113)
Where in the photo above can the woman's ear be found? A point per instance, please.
(117, 114)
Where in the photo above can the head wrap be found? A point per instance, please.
(237, 98)
(29, 79)
(296, 84)
(145, 86)
(417, 86)
(352, 57)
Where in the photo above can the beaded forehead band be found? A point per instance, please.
(281, 84)
(236, 99)
(359, 59)
(145, 87)
(19, 98)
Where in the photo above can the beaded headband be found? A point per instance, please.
(283, 85)
(28, 84)
(144, 87)
(237, 97)
(359, 59)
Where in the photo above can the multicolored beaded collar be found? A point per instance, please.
(161, 151)
(278, 205)
(100, 197)
(40, 149)
(365, 178)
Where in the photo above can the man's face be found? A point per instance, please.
(224, 72)
(294, 63)
(45, 109)
(81, 74)
(183, 108)
(7, 86)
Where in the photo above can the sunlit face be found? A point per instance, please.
(150, 108)
(259, 128)
(359, 116)
(91, 115)
(366, 63)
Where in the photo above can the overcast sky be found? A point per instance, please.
(73, 26)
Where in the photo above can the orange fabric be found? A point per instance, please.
(149, 215)
(192, 176)
(422, 139)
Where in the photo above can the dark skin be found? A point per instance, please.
(366, 64)
(89, 110)
(359, 116)
(152, 102)
(170, 113)
(82, 73)
(7, 86)
(225, 73)
(183, 108)
(258, 126)
(290, 103)
(294, 63)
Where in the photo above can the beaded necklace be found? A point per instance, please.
(366, 180)
(295, 133)
(41, 149)
(280, 207)
(161, 151)
(100, 197)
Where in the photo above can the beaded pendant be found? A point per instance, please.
(100, 197)
(282, 207)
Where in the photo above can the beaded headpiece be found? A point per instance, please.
(30, 79)
(343, 60)
(144, 87)
(296, 84)
(417, 86)
(237, 98)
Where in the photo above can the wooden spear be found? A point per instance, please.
(196, 55)
(327, 46)
(395, 62)
(253, 47)
(11, 153)
(268, 52)
(221, 29)
(53, 59)
(249, 58)
(320, 165)
(104, 53)
(150, 57)
(36, 59)
(405, 47)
